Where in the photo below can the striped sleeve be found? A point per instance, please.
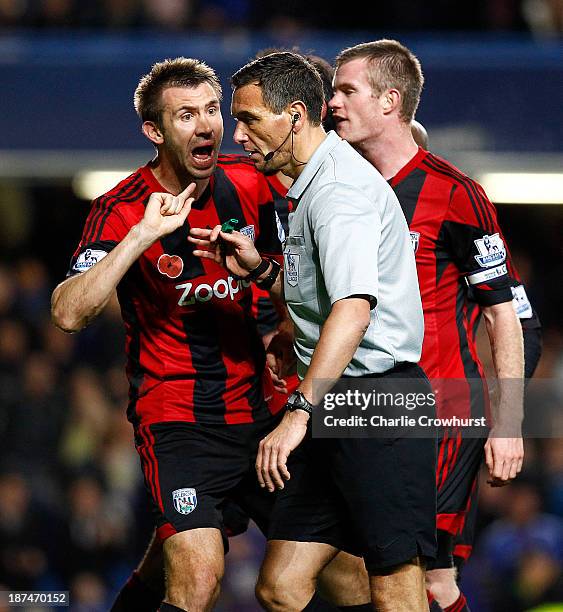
(477, 245)
(103, 230)
(105, 225)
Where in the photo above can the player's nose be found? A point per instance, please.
(203, 126)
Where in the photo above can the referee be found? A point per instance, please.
(351, 288)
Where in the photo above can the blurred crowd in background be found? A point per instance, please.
(538, 16)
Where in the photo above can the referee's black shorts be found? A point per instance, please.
(374, 498)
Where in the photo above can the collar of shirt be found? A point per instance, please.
(408, 167)
(312, 166)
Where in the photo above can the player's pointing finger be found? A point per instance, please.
(188, 191)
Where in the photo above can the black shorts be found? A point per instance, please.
(194, 471)
(458, 465)
(463, 543)
(457, 472)
(374, 498)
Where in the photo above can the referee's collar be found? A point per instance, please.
(312, 166)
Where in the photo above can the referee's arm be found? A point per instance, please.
(340, 337)
(342, 333)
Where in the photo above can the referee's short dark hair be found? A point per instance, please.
(284, 78)
(391, 66)
(178, 72)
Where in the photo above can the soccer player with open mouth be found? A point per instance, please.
(199, 386)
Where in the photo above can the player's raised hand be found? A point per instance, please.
(165, 213)
(235, 251)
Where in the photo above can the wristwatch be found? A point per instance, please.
(297, 401)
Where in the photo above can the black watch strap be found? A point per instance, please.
(267, 282)
(258, 270)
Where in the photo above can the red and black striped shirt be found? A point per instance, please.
(193, 350)
(262, 306)
(458, 244)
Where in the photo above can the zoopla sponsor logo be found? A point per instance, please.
(222, 289)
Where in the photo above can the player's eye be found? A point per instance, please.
(212, 110)
(187, 117)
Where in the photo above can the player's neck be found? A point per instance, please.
(390, 152)
(175, 181)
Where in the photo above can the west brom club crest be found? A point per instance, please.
(291, 268)
(491, 251)
(185, 500)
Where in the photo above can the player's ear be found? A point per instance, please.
(390, 101)
(152, 132)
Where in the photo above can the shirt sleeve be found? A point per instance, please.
(347, 231)
(521, 302)
(103, 230)
(529, 319)
(475, 241)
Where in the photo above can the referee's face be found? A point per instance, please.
(355, 108)
(263, 134)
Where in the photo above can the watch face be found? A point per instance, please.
(298, 401)
(291, 400)
(294, 401)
